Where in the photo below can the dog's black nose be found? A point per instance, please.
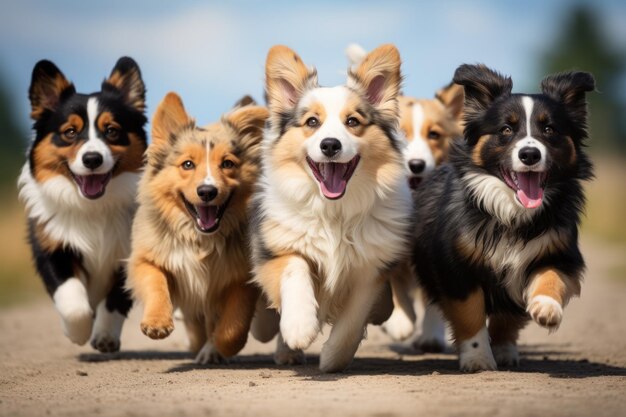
(206, 192)
(92, 160)
(529, 155)
(417, 165)
(330, 147)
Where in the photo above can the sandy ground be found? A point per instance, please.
(578, 371)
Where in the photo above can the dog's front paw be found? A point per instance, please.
(475, 353)
(546, 311)
(77, 324)
(506, 354)
(399, 326)
(209, 355)
(284, 355)
(299, 330)
(105, 343)
(157, 327)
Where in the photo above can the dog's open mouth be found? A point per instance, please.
(414, 182)
(92, 186)
(207, 216)
(333, 176)
(528, 186)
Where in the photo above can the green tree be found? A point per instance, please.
(582, 45)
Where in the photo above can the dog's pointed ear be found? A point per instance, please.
(378, 78)
(169, 118)
(126, 79)
(569, 88)
(482, 86)
(452, 97)
(287, 78)
(47, 89)
(244, 101)
(249, 122)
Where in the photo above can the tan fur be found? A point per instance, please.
(467, 317)
(205, 275)
(46, 95)
(478, 148)
(504, 329)
(552, 283)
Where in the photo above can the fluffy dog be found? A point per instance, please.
(190, 234)
(497, 229)
(333, 206)
(79, 186)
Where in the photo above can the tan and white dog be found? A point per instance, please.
(190, 234)
(429, 126)
(333, 207)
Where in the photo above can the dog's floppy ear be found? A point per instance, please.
(126, 79)
(482, 86)
(569, 88)
(378, 78)
(170, 117)
(287, 78)
(452, 97)
(47, 88)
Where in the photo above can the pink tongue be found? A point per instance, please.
(334, 184)
(207, 216)
(530, 193)
(92, 186)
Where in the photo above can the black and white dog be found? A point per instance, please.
(79, 185)
(497, 227)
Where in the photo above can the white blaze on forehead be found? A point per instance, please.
(528, 141)
(418, 148)
(333, 100)
(209, 178)
(93, 144)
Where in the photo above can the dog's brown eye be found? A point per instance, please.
(433, 135)
(227, 164)
(187, 165)
(312, 122)
(70, 133)
(353, 122)
(111, 133)
(506, 130)
(548, 131)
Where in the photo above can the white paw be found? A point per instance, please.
(70, 299)
(475, 353)
(399, 326)
(506, 354)
(284, 355)
(546, 311)
(298, 329)
(209, 355)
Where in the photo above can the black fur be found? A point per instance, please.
(445, 208)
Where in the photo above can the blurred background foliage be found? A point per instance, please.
(581, 43)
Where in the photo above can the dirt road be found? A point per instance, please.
(578, 371)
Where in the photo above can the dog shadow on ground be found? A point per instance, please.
(554, 360)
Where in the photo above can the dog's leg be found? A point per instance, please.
(549, 291)
(504, 330)
(401, 324)
(209, 353)
(349, 328)
(111, 314)
(196, 332)
(266, 321)
(433, 335)
(150, 287)
(288, 285)
(468, 320)
(284, 355)
(238, 303)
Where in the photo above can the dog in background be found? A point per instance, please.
(190, 234)
(497, 228)
(332, 210)
(429, 125)
(79, 186)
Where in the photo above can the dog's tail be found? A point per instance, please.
(355, 53)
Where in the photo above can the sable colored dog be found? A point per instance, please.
(190, 234)
(497, 228)
(333, 207)
(428, 126)
(79, 186)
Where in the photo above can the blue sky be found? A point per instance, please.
(212, 53)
